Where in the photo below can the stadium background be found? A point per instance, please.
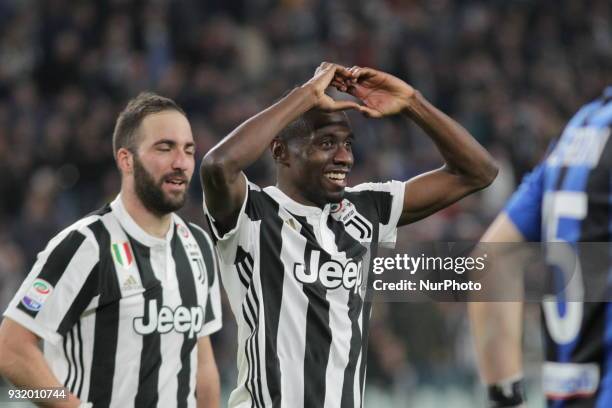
(512, 72)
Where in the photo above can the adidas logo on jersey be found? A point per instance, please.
(182, 320)
(130, 284)
(291, 223)
(331, 273)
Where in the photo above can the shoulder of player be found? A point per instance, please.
(261, 203)
(252, 186)
(385, 186)
(372, 193)
(78, 233)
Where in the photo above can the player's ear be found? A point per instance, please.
(125, 160)
(279, 150)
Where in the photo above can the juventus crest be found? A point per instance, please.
(356, 224)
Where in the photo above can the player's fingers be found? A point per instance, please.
(344, 105)
(362, 73)
(340, 79)
(339, 85)
(355, 73)
(369, 112)
(342, 70)
(324, 66)
(351, 89)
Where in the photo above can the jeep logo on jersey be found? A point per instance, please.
(182, 320)
(331, 273)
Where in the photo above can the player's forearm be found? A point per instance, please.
(208, 387)
(251, 139)
(461, 152)
(496, 329)
(25, 367)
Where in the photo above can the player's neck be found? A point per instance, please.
(295, 194)
(151, 223)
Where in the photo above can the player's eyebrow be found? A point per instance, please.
(341, 135)
(165, 141)
(172, 143)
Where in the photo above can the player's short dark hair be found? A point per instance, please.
(299, 128)
(129, 120)
(302, 127)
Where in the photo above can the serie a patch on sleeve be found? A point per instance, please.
(37, 294)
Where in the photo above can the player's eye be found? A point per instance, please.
(327, 143)
(163, 147)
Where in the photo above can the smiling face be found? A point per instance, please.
(315, 166)
(163, 161)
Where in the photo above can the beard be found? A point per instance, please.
(151, 193)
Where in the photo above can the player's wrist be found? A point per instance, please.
(507, 393)
(309, 94)
(413, 102)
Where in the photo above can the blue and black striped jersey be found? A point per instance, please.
(568, 199)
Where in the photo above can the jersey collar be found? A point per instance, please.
(133, 229)
(293, 206)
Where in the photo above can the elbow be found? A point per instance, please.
(215, 169)
(485, 174)
(211, 165)
(479, 175)
(489, 173)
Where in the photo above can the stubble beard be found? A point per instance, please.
(151, 193)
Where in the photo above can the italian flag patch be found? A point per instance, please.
(122, 254)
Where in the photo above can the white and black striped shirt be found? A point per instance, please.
(120, 311)
(296, 277)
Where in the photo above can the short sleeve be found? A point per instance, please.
(58, 288)
(525, 206)
(388, 199)
(227, 243)
(213, 320)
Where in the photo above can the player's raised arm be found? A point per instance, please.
(223, 184)
(468, 166)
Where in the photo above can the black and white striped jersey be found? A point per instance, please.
(120, 311)
(296, 278)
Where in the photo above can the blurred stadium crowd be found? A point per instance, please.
(511, 72)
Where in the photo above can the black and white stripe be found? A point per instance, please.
(188, 292)
(250, 311)
(303, 340)
(73, 352)
(244, 267)
(123, 332)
